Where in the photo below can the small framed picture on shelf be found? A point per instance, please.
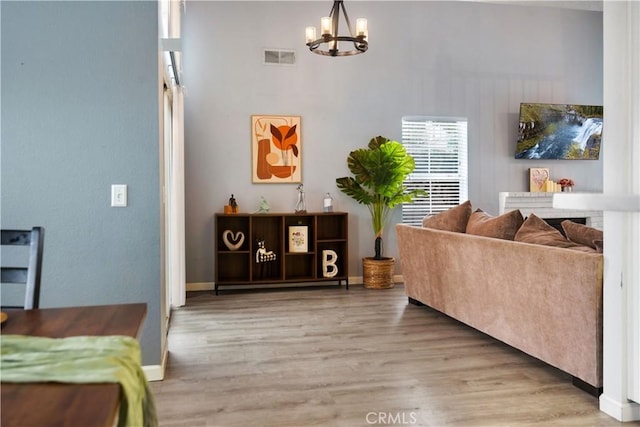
(537, 179)
(298, 241)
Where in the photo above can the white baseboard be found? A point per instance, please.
(210, 286)
(153, 372)
(621, 411)
(156, 372)
(201, 286)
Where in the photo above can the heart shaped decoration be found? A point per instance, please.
(233, 240)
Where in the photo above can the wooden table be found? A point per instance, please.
(54, 404)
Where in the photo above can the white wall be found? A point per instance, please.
(475, 60)
(621, 303)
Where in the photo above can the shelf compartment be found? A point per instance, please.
(269, 229)
(232, 266)
(299, 220)
(234, 224)
(266, 272)
(340, 248)
(331, 226)
(299, 266)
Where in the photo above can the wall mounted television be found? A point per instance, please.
(559, 131)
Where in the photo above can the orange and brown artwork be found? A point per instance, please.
(276, 149)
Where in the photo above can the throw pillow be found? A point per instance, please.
(599, 245)
(537, 231)
(582, 234)
(454, 219)
(504, 226)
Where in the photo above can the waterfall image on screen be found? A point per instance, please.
(559, 131)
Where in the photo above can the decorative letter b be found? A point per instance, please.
(329, 258)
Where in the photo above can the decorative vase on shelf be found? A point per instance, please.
(567, 189)
(301, 205)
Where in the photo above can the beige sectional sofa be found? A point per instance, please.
(545, 301)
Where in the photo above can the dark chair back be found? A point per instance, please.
(27, 276)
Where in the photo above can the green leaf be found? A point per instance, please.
(351, 188)
(379, 172)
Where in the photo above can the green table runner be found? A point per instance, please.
(86, 359)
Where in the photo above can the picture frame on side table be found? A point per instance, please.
(276, 149)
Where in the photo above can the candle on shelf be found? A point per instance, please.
(549, 186)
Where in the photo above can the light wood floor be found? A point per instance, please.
(331, 357)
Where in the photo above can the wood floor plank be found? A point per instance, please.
(330, 357)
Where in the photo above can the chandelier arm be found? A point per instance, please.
(335, 8)
(360, 46)
(346, 17)
(335, 23)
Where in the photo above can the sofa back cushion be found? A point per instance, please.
(582, 234)
(504, 226)
(537, 231)
(454, 219)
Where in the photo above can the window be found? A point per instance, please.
(439, 148)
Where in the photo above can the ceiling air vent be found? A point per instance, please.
(279, 57)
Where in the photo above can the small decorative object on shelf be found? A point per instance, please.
(329, 259)
(301, 205)
(232, 207)
(262, 254)
(550, 186)
(264, 257)
(263, 207)
(232, 240)
(298, 241)
(566, 184)
(327, 203)
(537, 179)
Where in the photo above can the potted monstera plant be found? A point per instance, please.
(379, 172)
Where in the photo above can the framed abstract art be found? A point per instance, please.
(276, 149)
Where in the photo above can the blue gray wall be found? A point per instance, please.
(469, 59)
(79, 113)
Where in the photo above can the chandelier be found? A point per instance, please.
(328, 43)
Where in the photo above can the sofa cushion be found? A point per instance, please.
(598, 245)
(538, 231)
(454, 219)
(504, 226)
(585, 235)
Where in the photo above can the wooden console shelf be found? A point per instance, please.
(326, 233)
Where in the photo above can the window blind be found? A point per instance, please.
(439, 148)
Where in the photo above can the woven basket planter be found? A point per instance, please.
(378, 273)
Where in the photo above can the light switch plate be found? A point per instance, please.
(119, 195)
